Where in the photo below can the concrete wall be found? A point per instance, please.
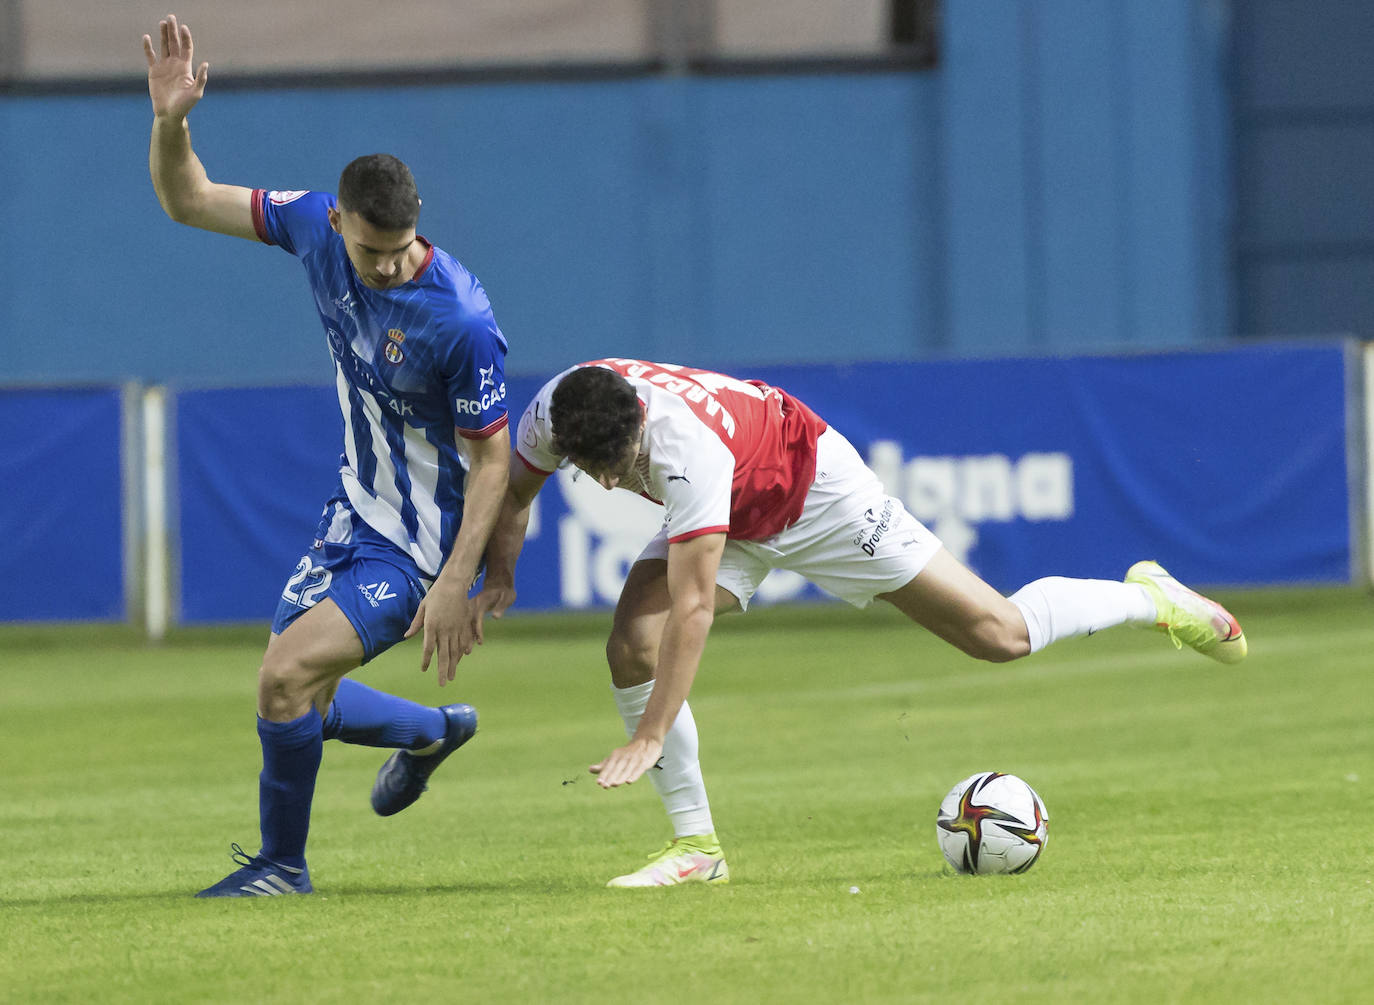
(92, 38)
(1060, 182)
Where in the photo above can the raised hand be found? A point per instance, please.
(171, 84)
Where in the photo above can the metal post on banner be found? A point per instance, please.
(156, 587)
(131, 494)
(681, 30)
(11, 40)
(1363, 473)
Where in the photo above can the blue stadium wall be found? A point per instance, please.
(1304, 127)
(1059, 183)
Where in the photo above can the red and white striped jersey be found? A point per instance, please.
(719, 454)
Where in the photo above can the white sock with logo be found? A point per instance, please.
(1058, 608)
(678, 774)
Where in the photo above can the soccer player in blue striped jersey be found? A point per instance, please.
(419, 371)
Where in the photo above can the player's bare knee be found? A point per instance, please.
(630, 660)
(997, 641)
(1006, 651)
(285, 690)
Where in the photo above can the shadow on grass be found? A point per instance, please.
(533, 887)
(94, 899)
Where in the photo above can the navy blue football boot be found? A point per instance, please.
(405, 776)
(259, 877)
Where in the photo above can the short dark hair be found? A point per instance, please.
(596, 416)
(380, 189)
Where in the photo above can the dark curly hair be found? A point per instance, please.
(380, 189)
(596, 415)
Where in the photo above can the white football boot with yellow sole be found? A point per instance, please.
(696, 859)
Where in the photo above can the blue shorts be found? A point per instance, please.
(377, 586)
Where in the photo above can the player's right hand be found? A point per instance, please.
(171, 84)
(626, 764)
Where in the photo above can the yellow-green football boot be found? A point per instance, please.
(1190, 617)
(696, 859)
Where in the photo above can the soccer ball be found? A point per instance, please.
(992, 823)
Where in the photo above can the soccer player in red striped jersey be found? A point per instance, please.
(752, 480)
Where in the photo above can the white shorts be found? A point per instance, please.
(852, 539)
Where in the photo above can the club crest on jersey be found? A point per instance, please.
(282, 198)
(396, 335)
(393, 354)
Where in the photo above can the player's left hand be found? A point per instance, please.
(625, 764)
(492, 599)
(447, 625)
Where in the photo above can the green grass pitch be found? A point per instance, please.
(1210, 827)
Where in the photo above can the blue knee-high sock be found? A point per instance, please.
(290, 762)
(360, 714)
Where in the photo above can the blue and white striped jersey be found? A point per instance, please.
(411, 365)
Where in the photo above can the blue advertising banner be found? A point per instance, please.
(254, 467)
(62, 506)
(1230, 467)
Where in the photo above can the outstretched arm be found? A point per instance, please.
(185, 191)
(692, 567)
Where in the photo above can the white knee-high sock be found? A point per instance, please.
(678, 774)
(1057, 608)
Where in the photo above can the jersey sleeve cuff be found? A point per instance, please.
(486, 431)
(699, 532)
(531, 465)
(259, 220)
